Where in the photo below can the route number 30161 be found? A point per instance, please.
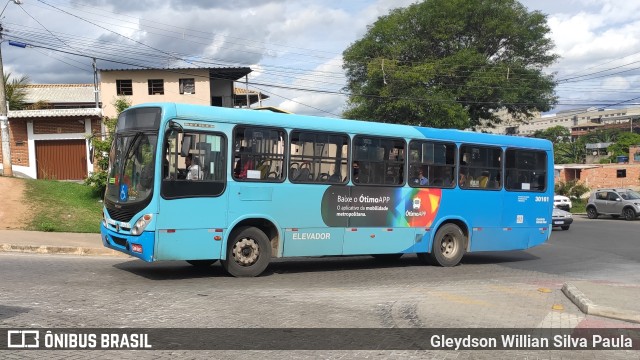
(542, 199)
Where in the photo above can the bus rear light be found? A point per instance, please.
(217, 238)
(219, 230)
(137, 248)
(372, 236)
(389, 229)
(507, 229)
(354, 229)
(294, 229)
(477, 229)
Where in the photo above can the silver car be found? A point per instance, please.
(614, 202)
(561, 218)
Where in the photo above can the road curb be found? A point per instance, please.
(588, 307)
(64, 250)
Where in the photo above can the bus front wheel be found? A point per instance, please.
(248, 252)
(448, 245)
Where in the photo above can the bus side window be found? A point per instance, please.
(318, 157)
(200, 172)
(258, 153)
(526, 170)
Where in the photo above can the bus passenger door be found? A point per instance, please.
(191, 220)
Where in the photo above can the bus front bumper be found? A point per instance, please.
(138, 246)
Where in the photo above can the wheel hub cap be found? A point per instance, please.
(245, 252)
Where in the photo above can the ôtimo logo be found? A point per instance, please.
(416, 203)
(23, 339)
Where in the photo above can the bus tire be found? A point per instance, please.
(448, 245)
(248, 252)
(202, 263)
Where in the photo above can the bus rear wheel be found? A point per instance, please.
(448, 245)
(248, 252)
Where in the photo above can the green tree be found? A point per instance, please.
(621, 146)
(98, 179)
(15, 91)
(559, 136)
(451, 63)
(570, 152)
(602, 136)
(554, 134)
(572, 189)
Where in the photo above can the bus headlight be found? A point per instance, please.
(141, 224)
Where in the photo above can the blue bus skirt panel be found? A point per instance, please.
(189, 244)
(123, 243)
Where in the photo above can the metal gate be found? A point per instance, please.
(61, 159)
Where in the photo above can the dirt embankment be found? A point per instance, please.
(14, 213)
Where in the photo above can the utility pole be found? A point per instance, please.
(95, 83)
(4, 124)
(7, 169)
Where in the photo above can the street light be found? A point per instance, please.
(7, 169)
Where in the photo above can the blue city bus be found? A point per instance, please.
(202, 184)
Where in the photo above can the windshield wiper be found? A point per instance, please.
(132, 143)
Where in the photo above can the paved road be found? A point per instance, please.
(508, 290)
(603, 249)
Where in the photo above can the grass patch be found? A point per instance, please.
(61, 206)
(578, 206)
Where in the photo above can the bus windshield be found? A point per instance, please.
(132, 167)
(132, 156)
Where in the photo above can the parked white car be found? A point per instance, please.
(562, 202)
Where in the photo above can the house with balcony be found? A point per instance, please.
(200, 86)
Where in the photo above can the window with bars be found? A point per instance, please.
(156, 87)
(124, 87)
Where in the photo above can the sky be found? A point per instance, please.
(294, 46)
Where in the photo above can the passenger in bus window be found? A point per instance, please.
(421, 179)
(462, 180)
(356, 172)
(243, 165)
(194, 172)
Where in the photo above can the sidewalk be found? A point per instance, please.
(54, 243)
(606, 299)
